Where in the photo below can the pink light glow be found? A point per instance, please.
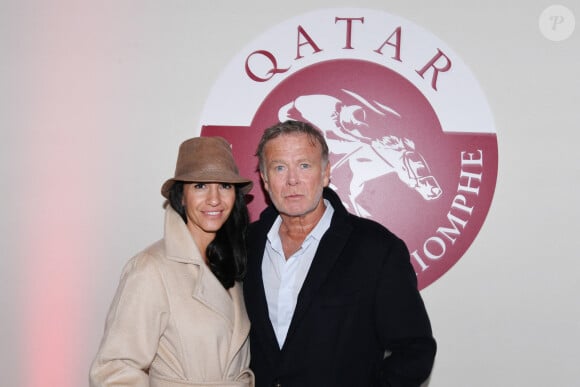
(61, 153)
(58, 264)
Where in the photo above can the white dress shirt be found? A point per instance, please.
(283, 278)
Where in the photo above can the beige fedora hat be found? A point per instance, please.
(206, 160)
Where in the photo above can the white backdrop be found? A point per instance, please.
(97, 95)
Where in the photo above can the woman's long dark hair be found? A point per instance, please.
(226, 254)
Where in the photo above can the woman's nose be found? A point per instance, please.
(213, 196)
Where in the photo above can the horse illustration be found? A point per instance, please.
(368, 158)
(390, 154)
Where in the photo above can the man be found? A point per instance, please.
(332, 297)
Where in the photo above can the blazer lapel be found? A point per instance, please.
(262, 321)
(255, 293)
(327, 254)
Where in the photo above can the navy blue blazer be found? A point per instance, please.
(359, 321)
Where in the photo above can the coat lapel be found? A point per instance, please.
(180, 247)
(241, 322)
(210, 292)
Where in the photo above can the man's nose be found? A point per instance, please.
(292, 177)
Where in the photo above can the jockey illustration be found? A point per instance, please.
(346, 128)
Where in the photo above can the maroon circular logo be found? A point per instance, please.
(404, 148)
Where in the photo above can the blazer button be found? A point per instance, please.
(276, 383)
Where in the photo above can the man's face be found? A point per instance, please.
(295, 174)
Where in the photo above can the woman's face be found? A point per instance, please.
(207, 207)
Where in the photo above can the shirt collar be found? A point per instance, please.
(317, 232)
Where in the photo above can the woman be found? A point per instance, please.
(178, 317)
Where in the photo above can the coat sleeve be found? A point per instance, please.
(135, 322)
(402, 323)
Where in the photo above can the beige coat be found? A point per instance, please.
(172, 323)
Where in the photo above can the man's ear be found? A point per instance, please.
(326, 175)
(264, 180)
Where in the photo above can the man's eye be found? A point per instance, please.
(199, 185)
(227, 185)
(304, 166)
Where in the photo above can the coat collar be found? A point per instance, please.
(179, 244)
(180, 247)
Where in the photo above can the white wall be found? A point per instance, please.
(97, 95)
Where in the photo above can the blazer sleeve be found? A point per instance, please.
(402, 322)
(135, 322)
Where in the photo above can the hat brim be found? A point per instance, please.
(244, 185)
